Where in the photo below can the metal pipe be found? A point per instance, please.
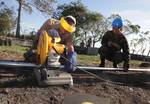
(22, 64)
(112, 69)
(89, 68)
(16, 64)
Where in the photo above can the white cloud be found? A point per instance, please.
(139, 17)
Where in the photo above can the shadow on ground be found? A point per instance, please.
(17, 79)
(134, 79)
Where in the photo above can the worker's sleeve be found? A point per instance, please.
(126, 53)
(53, 33)
(71, 62)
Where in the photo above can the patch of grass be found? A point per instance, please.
(135, 63)
(13, 49)
(82, 59)
(95, 60)
(88, 59)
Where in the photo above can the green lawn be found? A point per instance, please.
(13, 49)
(88, 59)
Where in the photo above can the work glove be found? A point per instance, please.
(126, 66)
(71, 62)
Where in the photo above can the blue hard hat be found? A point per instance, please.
(117, 23)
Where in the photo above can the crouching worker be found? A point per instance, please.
(115, 46)
(64, 29)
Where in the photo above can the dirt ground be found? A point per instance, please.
(20, 87)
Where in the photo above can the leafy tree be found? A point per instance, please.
(148, 42)
(91, 27)
(44, 6)
(129, 28)
(141, 43)
(7, 20)
(133, 44)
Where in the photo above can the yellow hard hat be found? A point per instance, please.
(66, 25)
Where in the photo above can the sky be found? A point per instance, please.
(137, 11)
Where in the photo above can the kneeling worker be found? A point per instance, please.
(115, 47)
(64, 28)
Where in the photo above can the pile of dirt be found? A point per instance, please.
(119, 87)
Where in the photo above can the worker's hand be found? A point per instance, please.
(71, 62)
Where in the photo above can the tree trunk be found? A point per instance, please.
(148, 53)
(18, 19)
(93, 43)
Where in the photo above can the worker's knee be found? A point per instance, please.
(103, 50)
